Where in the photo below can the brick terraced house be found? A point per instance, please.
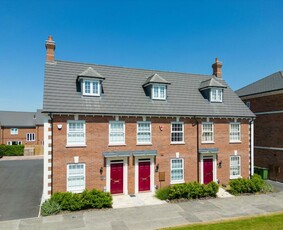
(21, 128)
(265, 98)
(127, 130)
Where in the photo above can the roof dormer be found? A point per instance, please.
(156, 87)
(90, 82)
(212, 90)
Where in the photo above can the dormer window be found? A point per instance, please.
(156, 87)
(91, 82)
(215, 95)
(159, 92)
(91, 87)
(212, 90)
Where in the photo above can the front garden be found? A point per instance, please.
(67, 201)
(195, 190)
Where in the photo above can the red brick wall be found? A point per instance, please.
(268, 133)
(266, 103)
(97, 131)
(271, 159)
(21, 136)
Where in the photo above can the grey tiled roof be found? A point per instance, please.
(90, 72)
(155, 78)
(123, 93)
(270, 83)
(211, 83)
(20, 119)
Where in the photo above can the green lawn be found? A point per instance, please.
(267, 222)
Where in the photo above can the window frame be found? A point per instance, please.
(158, 97)
(202, 132)
(78, 189)
(14, 131)
(230, 132)
(124, 133)
(138, 141)
(11, 142)
(91, 93)
(183, 132)
(248, 104)
(218, 95)
(179, 181)
(28, 137)
(238, 167)
(71, 144)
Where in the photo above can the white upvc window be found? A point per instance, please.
(177, 171)
(235, 132)
(30, 137)
(144, 132)
(91, 87)
(158, 92)
(207, 132)
(14, 131)
(116, 132)
(75, 177)
(216, 95)
(76, 133)
(235, 167)
(177, 132)
(14, 142)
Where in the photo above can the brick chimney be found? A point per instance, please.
(50, 48)
(217, 68)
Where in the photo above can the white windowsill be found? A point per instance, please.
(177, 143)
(177, 182)
(235, 142)
(235, 177)
(208, 142)
(144, 143)
(75, 146)
(117, 144)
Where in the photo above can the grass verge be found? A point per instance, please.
(266, 222)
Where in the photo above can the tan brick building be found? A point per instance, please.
(265, 99)
(126, 130)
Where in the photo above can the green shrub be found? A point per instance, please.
(87, 199)
(12, 150)
(253, 185)
(96, 199)
(192, 190)
(162, 193)
(50, 208)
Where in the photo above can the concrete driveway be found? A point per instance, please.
(21, 183)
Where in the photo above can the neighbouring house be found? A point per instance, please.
(127, 130)
(265, 98)
(21, 128)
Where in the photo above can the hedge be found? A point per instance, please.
(192, 190)
(12, 150)
(253, 185)
(74, 201)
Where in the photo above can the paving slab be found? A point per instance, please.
(156, 216)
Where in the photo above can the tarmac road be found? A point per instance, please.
(21, 183)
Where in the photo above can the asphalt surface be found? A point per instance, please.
(21, 184)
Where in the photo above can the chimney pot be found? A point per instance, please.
(217, 68)
(50, 48)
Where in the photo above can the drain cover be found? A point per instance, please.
(132, 195)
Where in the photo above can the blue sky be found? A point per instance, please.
(183, 36)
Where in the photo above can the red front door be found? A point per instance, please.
(144, 176)
(207, 170)
(116, 175)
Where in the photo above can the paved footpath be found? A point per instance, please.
(156, 216)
